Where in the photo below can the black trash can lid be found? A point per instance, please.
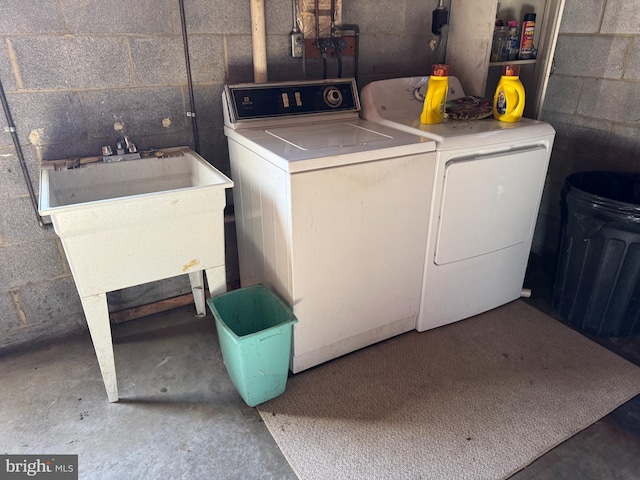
(610, 190)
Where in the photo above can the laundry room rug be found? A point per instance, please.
(478, 399)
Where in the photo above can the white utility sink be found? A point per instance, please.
(127, 223)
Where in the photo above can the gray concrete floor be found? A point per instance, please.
(180, 417)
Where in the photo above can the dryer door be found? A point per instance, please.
(489, 203)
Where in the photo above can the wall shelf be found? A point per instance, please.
(513, 62)
(471, 27)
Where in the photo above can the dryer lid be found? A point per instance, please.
(398, 102)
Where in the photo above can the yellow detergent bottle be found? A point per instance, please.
(508, 101)
(436, 96)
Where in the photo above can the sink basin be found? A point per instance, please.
(127, 223)
(132, 222)
(83, 187)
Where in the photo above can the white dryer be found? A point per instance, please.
(486, 194)
(327, 208)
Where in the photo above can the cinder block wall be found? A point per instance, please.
(72, 69)
(593, 100)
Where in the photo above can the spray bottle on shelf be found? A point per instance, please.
(514, 40)
(436, 96)
(508, 101)
(527, 50)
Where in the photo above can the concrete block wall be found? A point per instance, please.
(71, 70)
(593, 100)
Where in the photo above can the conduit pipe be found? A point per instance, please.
(259, 41)
(348, 27)
(23, 165)
(192, 104)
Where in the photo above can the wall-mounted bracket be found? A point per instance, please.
(312, 47)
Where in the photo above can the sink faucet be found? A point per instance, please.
(125, 145)
(125, 150)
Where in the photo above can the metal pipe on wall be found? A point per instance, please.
(348, 27)
(259, 41)
(23, 164)
(192, 103)
(294, 12)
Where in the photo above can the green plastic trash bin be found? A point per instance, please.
(254, 329)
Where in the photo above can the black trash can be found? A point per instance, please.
(597, 284)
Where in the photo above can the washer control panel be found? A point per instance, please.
(267, 100)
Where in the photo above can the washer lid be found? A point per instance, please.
(330, 135)
(311, 146)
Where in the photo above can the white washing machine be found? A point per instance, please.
(486, 194)
(329, 212)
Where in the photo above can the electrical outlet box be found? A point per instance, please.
(297, 44)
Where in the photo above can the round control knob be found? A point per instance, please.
(333, 97)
